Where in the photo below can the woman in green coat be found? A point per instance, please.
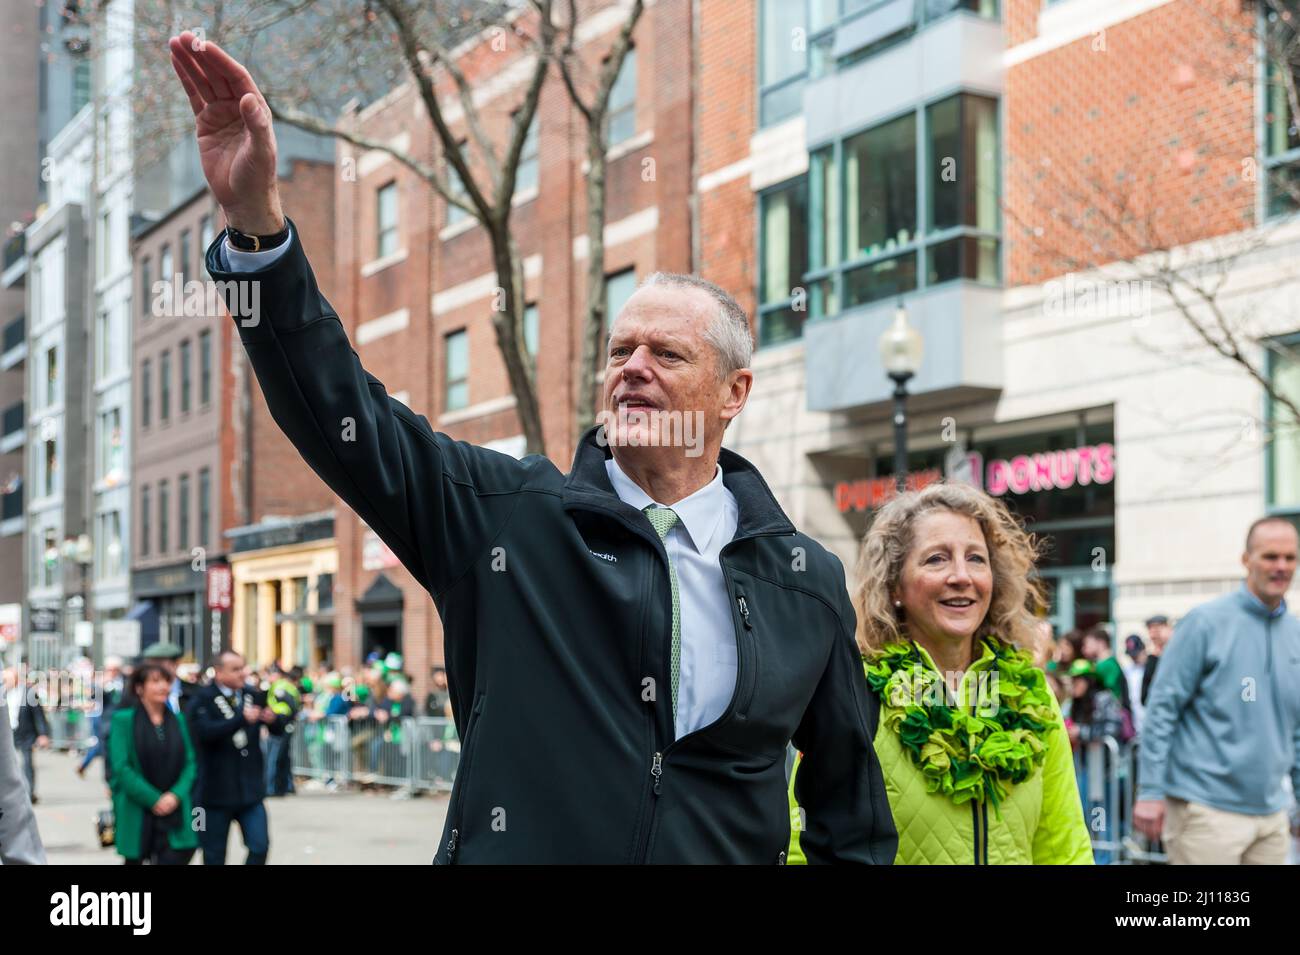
(153, 764)
(975, 754)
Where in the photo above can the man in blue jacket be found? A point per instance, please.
(1222, 726)
(632, 646)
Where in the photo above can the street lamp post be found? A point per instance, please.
(81, 550)
(901, 351)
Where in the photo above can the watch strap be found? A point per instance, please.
(256, 243)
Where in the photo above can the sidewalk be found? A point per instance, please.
(311, 828)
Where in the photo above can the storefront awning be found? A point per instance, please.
(146, 613)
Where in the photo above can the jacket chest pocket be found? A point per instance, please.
(781, 653)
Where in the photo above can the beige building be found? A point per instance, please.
(283, 575)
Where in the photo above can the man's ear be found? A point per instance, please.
(738, 385)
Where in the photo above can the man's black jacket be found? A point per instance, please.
(31, 721)
(556, 609)
(228, 775)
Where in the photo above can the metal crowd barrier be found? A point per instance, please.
(69, 729)
(422, 753)
(417, 753)
(1107, 773)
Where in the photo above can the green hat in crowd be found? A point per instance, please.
(1081, 668)
(305, 685)
(393, 662)
(363, 693)
(334, 681)
(164, 651)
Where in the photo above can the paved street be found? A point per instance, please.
(311, 828)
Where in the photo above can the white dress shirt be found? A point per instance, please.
(707, 523)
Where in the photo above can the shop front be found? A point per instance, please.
(282, 591)
(1058, 477)
(171, 608)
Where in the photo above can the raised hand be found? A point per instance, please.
(233, 126)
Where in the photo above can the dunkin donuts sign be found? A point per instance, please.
(1022, 474)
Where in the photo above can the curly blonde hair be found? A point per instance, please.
(1013, 553)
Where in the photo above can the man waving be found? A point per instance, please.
(654, 602)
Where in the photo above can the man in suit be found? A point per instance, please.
(227, 719)
(631, 647)
(27, 721)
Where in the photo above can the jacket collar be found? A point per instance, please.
(587, 485)
(1257, 606)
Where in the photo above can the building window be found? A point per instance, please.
(457, 371)
(80, 84)
(186, 380)
(205, 368)
(104, 240)
(880, 210)
(51, 375)
(618, 289)
(108, 543)
(205, 505)
(103, 347)
(51, 473)
(144, 520)
(783, 55)
(324, 592)
(185, 255)
(387, 218)
(146, 286)
(111, 445)
(963, 222)
(48, 559)
(146, 392)
(457, 188)
(621, 115)
(783, 257)
(887, 217)
(526, 172)
(1283, 459)
(1281, 142)
(165, 264)
(165, 388)
(205, 240)
(164, 513)
(183, 505)
(531, 331)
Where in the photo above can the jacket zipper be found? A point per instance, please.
(1268, 637)
(984, 809)
(656, 768)
(747, 679)
(656, 790)
(453, 840)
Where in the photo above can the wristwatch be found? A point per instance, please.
(256, 243)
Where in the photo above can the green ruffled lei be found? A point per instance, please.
(965, 755)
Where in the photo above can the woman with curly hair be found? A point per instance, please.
(974, 750)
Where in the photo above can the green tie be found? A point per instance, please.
(664, 519)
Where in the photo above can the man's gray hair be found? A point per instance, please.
(728, 333)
